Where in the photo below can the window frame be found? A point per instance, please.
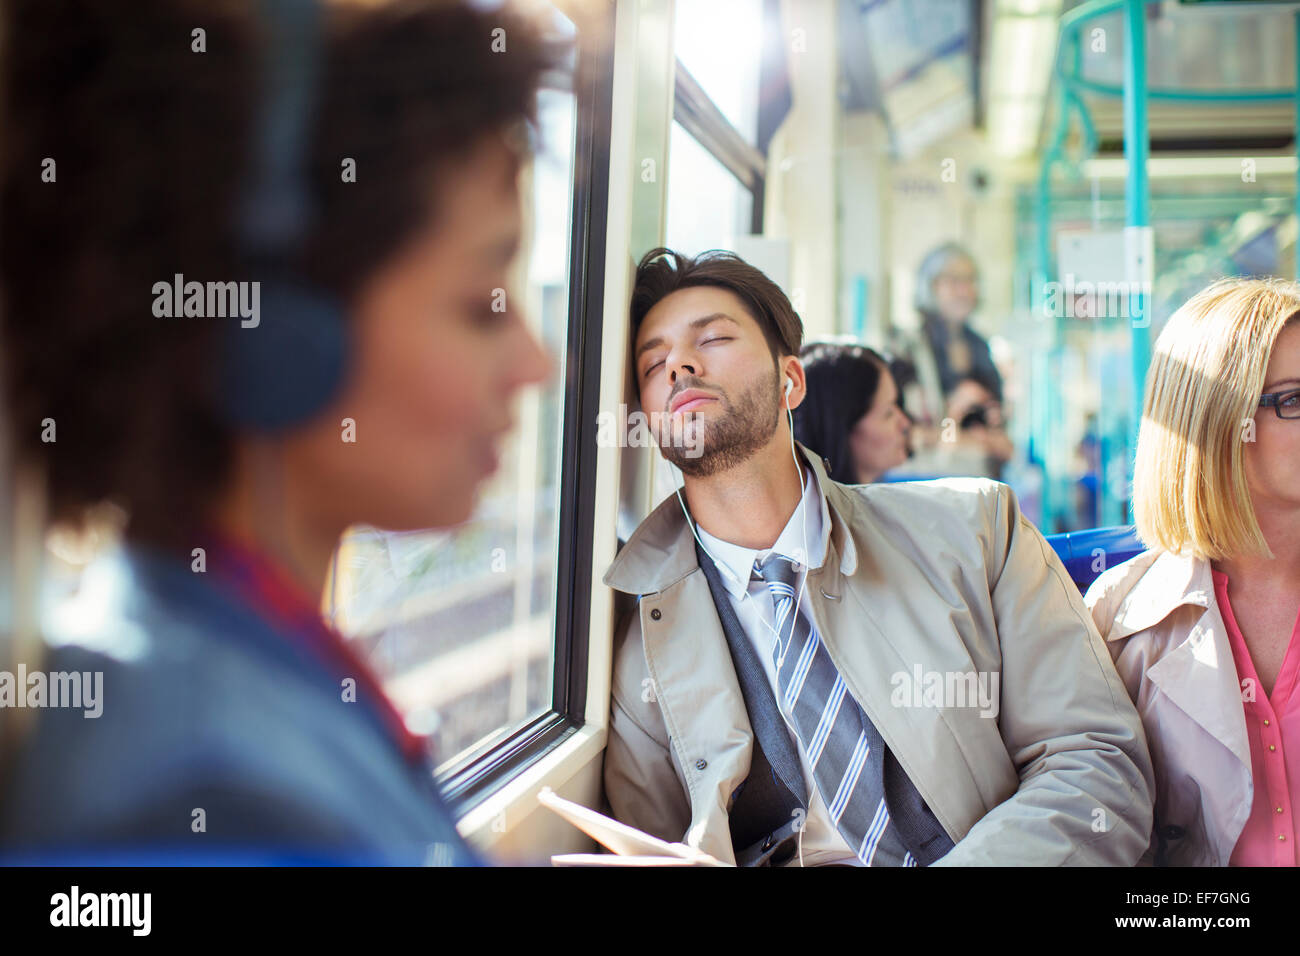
(501, 757)
(700, 116)
(695, 110)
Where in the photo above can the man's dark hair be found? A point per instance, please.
(662, 272)
(152, 142)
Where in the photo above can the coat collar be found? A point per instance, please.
(662, 549)
(1199, 675)
(811, 516)
(1168, 582)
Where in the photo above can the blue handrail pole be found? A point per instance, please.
(860, 308)
(1040, 394)
(1138, 240)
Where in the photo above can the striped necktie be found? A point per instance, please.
(830, 725)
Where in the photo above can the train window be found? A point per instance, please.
(726, 71)
(716, 162)
(708, 207)
(465, 627)
(717, 165)
(460, 623)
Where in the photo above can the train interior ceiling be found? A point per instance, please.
(832, 143)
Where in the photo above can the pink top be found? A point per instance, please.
(1273, 725)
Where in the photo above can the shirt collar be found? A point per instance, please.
(790, 543)
(661, 551)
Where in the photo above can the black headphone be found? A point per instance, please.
(284, 370)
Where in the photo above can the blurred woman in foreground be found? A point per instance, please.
(235, 724)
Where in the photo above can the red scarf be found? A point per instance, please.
(287, 607)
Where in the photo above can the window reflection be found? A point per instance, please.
(460, 625)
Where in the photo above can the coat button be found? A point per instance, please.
(656, 614)
(1173, 832)
(701, 764)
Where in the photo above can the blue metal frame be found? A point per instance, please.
(1137, 194)
(1069, 102)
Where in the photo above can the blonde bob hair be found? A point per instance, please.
(1202, 395)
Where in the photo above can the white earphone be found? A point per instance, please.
(690, 523)
(784, 649)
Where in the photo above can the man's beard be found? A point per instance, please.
(732, 438)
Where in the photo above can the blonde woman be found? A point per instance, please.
(1203, 626)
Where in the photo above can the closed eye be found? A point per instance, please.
(716, 338)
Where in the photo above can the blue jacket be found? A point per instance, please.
(206, 707)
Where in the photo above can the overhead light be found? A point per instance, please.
(1013, 126)
(1021, 54)
(1028, 8)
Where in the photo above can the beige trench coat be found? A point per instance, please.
(943, 575)
(1159, 617)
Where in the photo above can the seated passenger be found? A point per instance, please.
(1203, 626)
(234, 724)
(851, 415)
(943, 695)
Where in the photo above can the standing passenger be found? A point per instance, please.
(371, 190)
(1203, 626)
(945, 349)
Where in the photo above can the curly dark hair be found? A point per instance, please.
(151, 143)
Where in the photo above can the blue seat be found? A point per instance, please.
(1078, 551)
(890, 478)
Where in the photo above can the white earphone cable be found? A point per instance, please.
(803, 562)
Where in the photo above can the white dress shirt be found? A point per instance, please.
(820, 842)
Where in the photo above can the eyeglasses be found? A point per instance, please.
(1286, 404)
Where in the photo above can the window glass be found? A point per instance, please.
(460, 625)
(708, 207)
(721, 43)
